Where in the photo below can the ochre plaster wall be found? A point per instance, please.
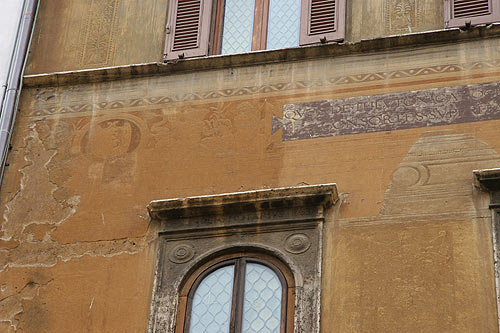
(376, 18)
(77, 250)
(74, 34)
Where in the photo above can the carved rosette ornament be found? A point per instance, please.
(297, 243)
(181, 253)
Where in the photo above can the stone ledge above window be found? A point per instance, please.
(255, 203)
(489, 180)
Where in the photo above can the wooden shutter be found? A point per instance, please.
(322, 20)
(188, 28)
(459, 12)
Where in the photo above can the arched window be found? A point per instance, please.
(238, 293)
(233, 262)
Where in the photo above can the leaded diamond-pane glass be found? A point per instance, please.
(284, 24)
(238, 26)
(211, 307)
(262, 302)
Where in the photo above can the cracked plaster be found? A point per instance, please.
(13, 305)
(35, 182)
(28, 223)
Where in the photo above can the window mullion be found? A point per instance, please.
(218, 24)
(241, 294)
(261, 15)
(238, 294)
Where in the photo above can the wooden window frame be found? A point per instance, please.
(260, 21)
(240, 260)
(211, 21)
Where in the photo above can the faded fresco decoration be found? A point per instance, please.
(388, 112)
(402, 16)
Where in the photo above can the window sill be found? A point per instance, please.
(453, 35)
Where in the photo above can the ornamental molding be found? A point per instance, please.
(285, 223)
(489, 180)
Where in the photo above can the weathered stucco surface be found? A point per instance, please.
(75, 34)
(376, 18)
(410, 249)
(430, 241)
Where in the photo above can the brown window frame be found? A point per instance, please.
(260, 21)
(211, 20)
(240, 260)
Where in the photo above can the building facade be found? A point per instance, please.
(345, 164)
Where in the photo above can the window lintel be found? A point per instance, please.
(238, 202)
(489, 180)
(284, 223)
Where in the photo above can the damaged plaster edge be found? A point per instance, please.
(325, 194)
(109, 250)
(28, 292)
(315, 51)
(61, 259)
(72, 201)
(22, 184)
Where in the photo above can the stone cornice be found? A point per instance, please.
(489, 180)
(381, 44)
(242, 202)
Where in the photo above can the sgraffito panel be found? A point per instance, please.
(97, 36)
(388, 112)
(403, 16)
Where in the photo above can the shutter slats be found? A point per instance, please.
(187, 24)
(322, 20)
(459, 13)
(322, 16)
(188, 28)
(470, 8)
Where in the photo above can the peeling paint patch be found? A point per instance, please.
(48, 253)
(11, 306)
(25, 207)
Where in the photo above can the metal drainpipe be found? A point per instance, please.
(14, 81)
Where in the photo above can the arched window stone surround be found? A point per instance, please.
(285, 223)
(488, 180)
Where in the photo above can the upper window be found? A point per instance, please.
(256, 24)
(459, 13)
(238, 294)
(202, 27)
